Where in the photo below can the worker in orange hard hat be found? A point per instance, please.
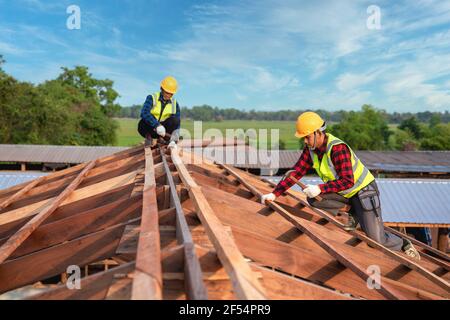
(348, 184)
(160, 115)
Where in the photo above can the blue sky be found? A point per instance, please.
(264, 55)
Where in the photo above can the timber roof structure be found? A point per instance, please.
(169, 225)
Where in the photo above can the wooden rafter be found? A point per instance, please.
(311, 230)
(20, 236)
(21, 192)
(244, 281)
(147, 281)
(361, 236)
(396, 256)
(192, 269)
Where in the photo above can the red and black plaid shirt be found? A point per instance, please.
(341, 158)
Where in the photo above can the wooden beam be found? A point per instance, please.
(311, 230)
(75, 226)
(53, 261)
(79, 194)
(243, 279)
(147, 282)
(424, 247)
(265, 221)
(281, 286)
(443, 239)
(396, 256)
(195, 287)
(302, 262)
(20, 236)
(92, 287)
(21, 192)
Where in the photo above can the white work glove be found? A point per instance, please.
(312, 191)
(173, 145)
(160, 130)
(268, 197)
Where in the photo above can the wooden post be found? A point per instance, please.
(443, 239)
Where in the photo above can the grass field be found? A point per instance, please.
(128, 135)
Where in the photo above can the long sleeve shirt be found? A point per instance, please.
(148, 116)
(341, 158)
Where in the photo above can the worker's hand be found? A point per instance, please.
(161, 131)
(267, 197)
(312, 191)
(173, 145)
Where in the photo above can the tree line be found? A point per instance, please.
(209, 113)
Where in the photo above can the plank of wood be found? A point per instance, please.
(284, 287)
(266, 222)
(302, 263)
(396, 256)
(20, 236)
(147, 282)
(21, 192)
(92, 287)
(55, 260)
(424, 248)
(72, 227)
(77, 195)
(358, 234)
(422, 245)
(310, 229)
(245, 283)
(196, 289)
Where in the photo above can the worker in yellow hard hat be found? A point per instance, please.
(348, 184)
(160, 115)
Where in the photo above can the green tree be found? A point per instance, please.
(365, 130)
(434, 120)
(403, 140)
(100, 90)
(439, 138)
(412, 125)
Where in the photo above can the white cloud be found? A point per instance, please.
(7, 48)
(350, 81)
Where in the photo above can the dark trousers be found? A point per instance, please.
(365, 209)
(171, 124)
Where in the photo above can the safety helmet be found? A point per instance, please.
(169, 84)
(307, 123)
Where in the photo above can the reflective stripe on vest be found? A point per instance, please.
(169, 110)
(325, 168)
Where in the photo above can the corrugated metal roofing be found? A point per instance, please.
(417, 201)
(54, 154)
(243, 157)
(10, 179)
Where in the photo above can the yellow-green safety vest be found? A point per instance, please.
(170, 108)
(326, 171)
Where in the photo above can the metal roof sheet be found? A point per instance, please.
(54, 154)
(10, 179)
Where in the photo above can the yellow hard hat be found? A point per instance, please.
(307, 123)
(169, 84)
